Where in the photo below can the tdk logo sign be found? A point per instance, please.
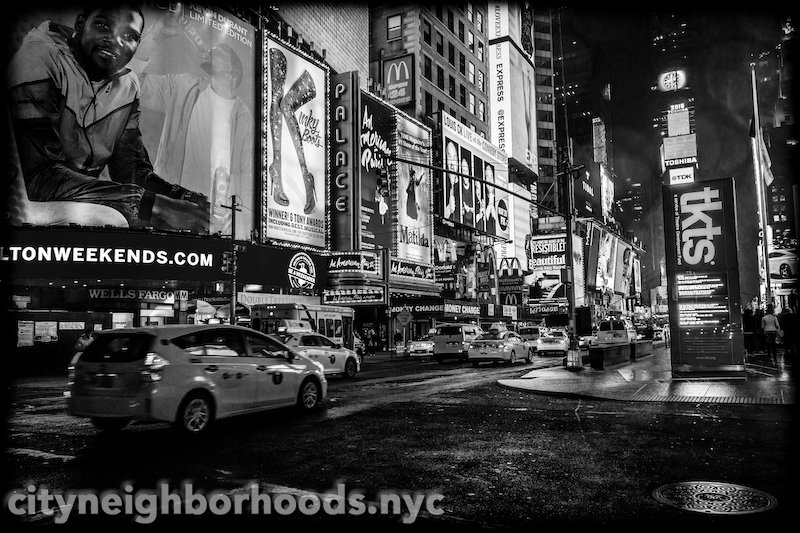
(697, 229)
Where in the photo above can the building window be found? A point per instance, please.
(427, 67)
(394, 27)
(546, 151)
(481, 82)
(471, 41)
(452, 81)
(479, 21)
(426, 31)
(541, 61)
(463, 95)
(428, 103)
(460, 31)
(481, 111)
(440, 77)
(462, 64)
(440, 105)
(450, 23)
(542, 44)
(542, 79)
(544, 98)
(480, 51)
(439, 11)
(546, 134)
(451, 54)
(469, 11)
(471, 103)
(471, 73)
(439, 44)
(544, 116)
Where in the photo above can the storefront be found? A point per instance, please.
(63, 280)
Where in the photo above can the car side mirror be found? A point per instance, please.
(337, 345)
(290, 355)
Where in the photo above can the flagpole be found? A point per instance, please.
(761, 192)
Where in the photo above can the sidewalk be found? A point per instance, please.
(650, 380)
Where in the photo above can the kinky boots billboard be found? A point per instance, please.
(703, 278)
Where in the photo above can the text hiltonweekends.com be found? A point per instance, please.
(145, 505)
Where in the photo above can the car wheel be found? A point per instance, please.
(350, 369)
(110, 425)
(309, 395)
(196, 413)
(529, 359)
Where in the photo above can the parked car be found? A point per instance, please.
(422, 347)
(615, 331)
(555, 341)
(190, 375)
(496, 346)
(453, 340)
(782, 264)
(334, 358)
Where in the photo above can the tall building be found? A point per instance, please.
(439, 51)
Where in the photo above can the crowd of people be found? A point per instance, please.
(770, 336)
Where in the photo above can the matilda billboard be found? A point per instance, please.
(703, 277)
(413, 192)
(167, 141)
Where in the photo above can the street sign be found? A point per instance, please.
(404, 317)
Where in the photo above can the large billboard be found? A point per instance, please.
(512, 91)
(606, 262)
(703, 277)
(477, 204)
(296, 146)
(548, 258)
(624, 269)
(606, 194)
(413, 192)
(377, 137)
(398, 79)
(166, 144)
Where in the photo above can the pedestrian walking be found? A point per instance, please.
(770, 325)
(84, 340)
(792, 301)
(788, 320)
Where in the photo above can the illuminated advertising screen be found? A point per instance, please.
(166, 144)
(702, 277)
(637, 275)
(624, 269)
(398, 76)
(591, 260)
(587, 191)
(548, 257)
(606, 193)
(578, 276)
(464, 152)
(377, 135)
(606, 262)
(413, 192)
(296, 146)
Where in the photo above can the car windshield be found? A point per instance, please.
(605, 326)
(556, 334)
(490, 336)
(448, 330)
(529, 331)
(424, 338)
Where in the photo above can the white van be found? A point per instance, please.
(453, 340)
(615, 331)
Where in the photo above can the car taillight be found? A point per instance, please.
(154, 364)
(71, 368)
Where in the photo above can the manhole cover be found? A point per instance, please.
(715, 498)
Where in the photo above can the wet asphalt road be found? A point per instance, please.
(500, 458)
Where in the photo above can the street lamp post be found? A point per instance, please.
(569, 218)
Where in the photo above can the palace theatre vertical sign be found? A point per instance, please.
(703, 278)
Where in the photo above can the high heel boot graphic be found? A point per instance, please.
(277, 67)
(301, 92)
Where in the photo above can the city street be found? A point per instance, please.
(500, 458)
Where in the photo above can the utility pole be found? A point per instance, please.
(569, 218)
(233, 263)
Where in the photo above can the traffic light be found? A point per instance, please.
(228, 262)
(383, 182)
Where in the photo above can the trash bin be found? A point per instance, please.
(574, 360)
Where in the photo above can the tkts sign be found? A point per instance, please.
(703, 279)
